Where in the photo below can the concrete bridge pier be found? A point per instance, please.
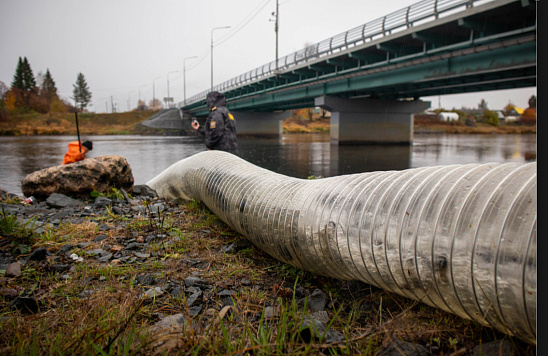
(371, 121)
(255, 123)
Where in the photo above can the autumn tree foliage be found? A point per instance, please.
(141, 106)
(529, 116)
(155, 104)
(81, 92)
(508, 108)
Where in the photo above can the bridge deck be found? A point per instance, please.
(434, 47)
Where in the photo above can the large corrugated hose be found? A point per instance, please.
(462, 238)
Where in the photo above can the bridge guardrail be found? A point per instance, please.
(416, 14)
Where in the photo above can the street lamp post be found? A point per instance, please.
(154, 94)
(213, 29)
(168, 98)
(276, 27)
(184, 78)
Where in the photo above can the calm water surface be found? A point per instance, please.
(294, 155)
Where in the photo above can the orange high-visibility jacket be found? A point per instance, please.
(74, 154)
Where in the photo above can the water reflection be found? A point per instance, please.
(302, 156)
(295, 155)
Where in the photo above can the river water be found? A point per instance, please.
(296, 155)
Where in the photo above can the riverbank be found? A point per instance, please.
(420, 125)
(129, 123)
(138, 275)
(32, 123)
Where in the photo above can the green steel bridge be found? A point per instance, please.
(371, 77)
(433, 47)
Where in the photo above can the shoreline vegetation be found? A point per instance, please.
(129, 123)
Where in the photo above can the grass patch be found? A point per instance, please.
(95, 308)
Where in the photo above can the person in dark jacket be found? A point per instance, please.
(220, 127)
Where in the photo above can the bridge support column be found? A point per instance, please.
(254, 123)
(371, 121)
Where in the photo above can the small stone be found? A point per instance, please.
(268, 312)
(195, 310)
(96, 252)
(141, 255)
(133, 246)
(193, 298)
(315, 327)
(102, 202)
(104, 227)
(56, 200)
(65, 248)
(145, 279)
(194, 281)
(177, 292)
(104, 258)
(100, 238)
(86, 293)
(497, 347)
(170, 322)
(26, 305)
(59, 267)
(226, 292)
(76, 258)
(9, 292)
(116, 248)
(40, 254)
(401, 347)
(152, 293)
(317, 300)
(14, 270)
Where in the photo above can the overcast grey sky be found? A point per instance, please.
(128, 49)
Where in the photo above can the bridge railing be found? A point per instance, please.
(416, 14)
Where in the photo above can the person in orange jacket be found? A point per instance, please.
(77, 152)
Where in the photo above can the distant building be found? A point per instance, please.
(501, 116)
(448, 116)
(514, 115)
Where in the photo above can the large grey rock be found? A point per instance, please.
(79, 179)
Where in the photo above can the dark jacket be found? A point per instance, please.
(220, 127)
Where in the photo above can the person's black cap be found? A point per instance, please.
(88, 144)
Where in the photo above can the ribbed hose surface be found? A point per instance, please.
(462, 238)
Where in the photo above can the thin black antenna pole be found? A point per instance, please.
(78, 131)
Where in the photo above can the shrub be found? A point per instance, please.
(491, 117)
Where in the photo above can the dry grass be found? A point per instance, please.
(116, 320)
(297, 125)
(435, 125)
(29, 124)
